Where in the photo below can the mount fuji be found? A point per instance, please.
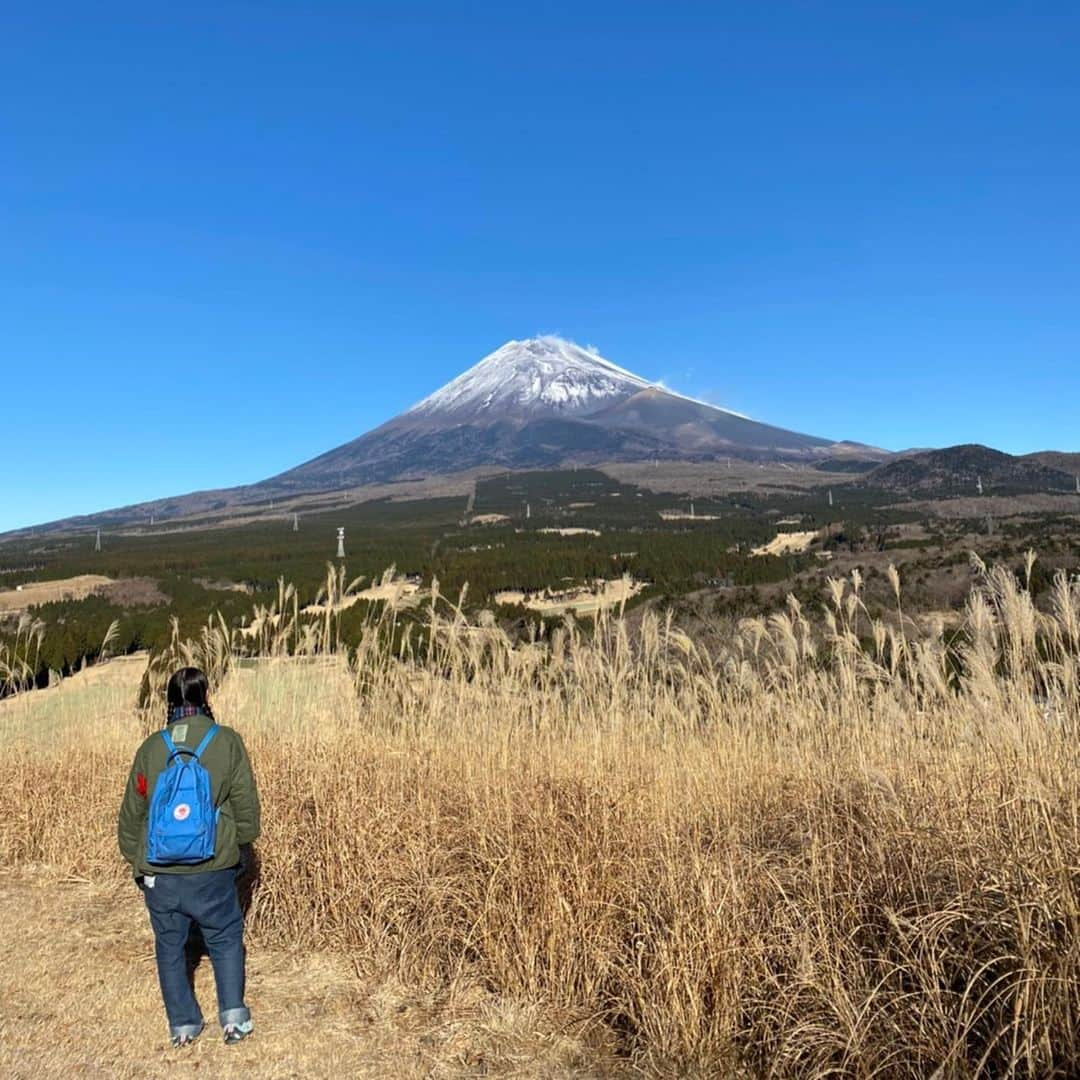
(536, 404)
(542, 403)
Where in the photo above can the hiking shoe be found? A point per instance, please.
(184, 1040)
(235, 1033)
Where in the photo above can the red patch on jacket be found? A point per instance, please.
(140, 785)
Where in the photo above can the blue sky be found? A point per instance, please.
(235, 235)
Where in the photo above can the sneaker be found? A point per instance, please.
(235, 1033)
(184, 1040)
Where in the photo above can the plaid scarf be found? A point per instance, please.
(180, 711)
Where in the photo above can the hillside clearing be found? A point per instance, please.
(384, 590)
(790, 543)
(585, 600)
(102, 691)
(46, 592)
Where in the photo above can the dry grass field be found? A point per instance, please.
(80, 997)
(84, 1002)
(75, 588)
(105, 692)
(822, 850)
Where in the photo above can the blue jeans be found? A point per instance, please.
(209, 900)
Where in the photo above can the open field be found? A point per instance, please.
(789, 543)
(387, 590)
(789, 854)
(572, 532)
(103, 692)
(47, 592)
(716, 477)
(598, 596)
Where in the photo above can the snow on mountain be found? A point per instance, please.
(537, 377)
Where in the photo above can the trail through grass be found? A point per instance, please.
(79, 998)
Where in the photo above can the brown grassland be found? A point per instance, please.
(834, 847)
(47, 591)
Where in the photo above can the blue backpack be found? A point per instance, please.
(182, 823)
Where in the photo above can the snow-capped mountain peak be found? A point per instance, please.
(536, 377)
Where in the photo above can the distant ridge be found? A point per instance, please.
(1056, 459)
(960, 470)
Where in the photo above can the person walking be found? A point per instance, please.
(188, 818)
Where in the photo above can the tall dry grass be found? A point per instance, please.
(19, 653)
(833, 848)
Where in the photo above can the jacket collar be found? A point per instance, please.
(181, 711)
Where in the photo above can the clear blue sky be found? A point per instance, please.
(235, 235)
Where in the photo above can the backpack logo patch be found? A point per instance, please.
(181, 812)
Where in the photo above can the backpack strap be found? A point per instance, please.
(205, 741)
(174, 750)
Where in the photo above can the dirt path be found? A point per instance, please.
(79, 997)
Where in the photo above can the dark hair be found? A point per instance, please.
(188, 686)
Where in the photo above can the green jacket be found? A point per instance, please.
(226, 760)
